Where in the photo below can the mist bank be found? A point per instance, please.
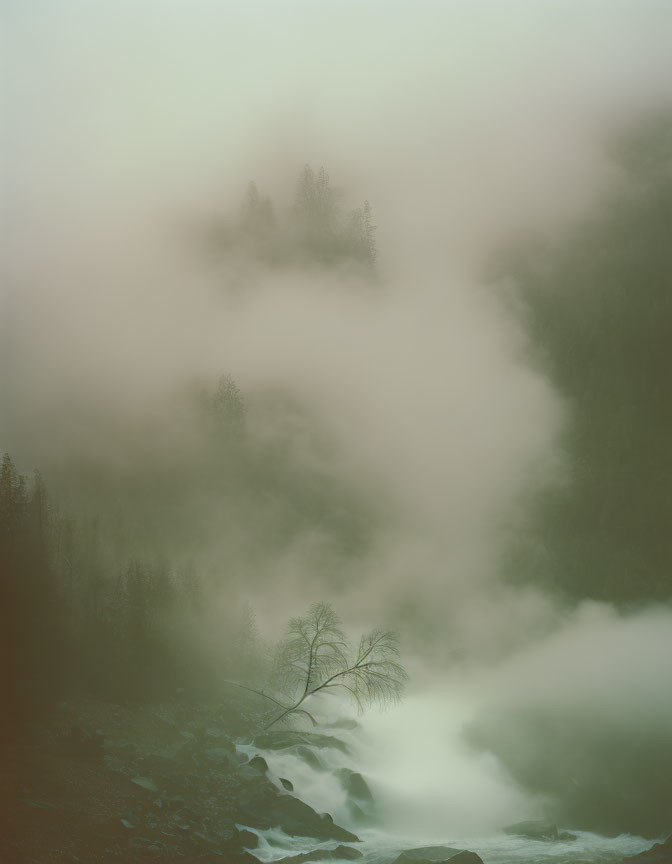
(584, 720)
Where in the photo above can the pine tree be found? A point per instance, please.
(228, 409)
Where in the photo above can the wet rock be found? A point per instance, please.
(285, 739)
(248, 839)
(424, 854)
(343, 853)
(659, 853)
(466, 857)
(234, 848)
(355, 785)
(262, 805)
(145, 783)
(345, 723)
(289, 786)
(222, 757)
(258, 763)
(307, 755)
(365, 818)
(534, 829)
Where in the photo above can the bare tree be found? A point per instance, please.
(315, 657)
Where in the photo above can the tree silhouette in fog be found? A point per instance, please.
(315, 657)
(316, 230)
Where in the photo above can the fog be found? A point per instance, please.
(413, 416)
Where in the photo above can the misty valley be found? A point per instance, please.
(336, 505)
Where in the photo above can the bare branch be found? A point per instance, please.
(315, 657)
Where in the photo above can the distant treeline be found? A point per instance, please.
(599, 312)
(105, 600)
(316, 229)
(68, 627)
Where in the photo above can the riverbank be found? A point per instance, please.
(176, 782)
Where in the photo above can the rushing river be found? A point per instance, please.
(428, 789)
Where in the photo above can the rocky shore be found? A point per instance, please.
(106, 782)
(166, 783)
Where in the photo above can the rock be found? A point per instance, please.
(357, 814)
(346, 853)
(309, 758)
(258, 763)
(345, 723)
(145, 783)
(289, 786)
(355, 785)
(157, 765)
(659, 853)
(80, 745)
(222, 757)
(566, 837)
(285, 739)
(262, 805)
(425, 854)
(535, 829)
(466, 857)
(234, 848)
(438, 855)
(248, 839)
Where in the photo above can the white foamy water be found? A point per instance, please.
(380, 846)
(429, 791)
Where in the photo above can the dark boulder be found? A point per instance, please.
(343, 853)
(355, 785)
(239, 841)
(659, 853)
(258, 763)
(262, 805)
(534, 829)
(248, 839)
(289, 786)
(307, 755)
(427, 853)
(466, 857)
(285, 739)
(345, 723)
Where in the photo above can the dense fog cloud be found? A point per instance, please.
(398, 425)
(586, 719)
